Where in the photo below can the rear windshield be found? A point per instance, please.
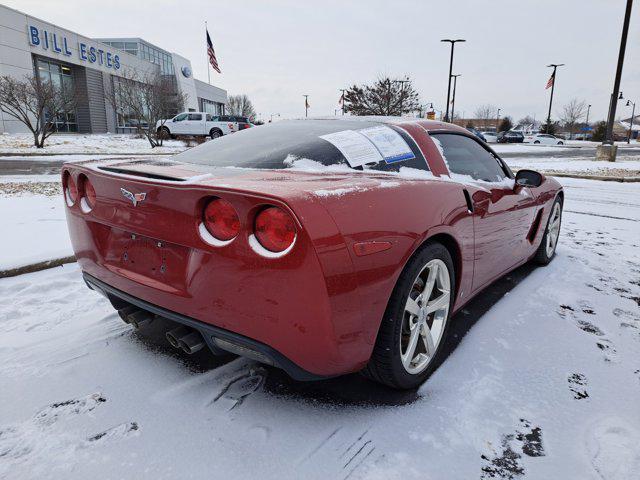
(278, 145)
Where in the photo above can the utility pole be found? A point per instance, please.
(553, 86)
(587, 122)
(498, 120)
(633, 112)
(608, 139)
(453, 42)
(453, 100)
(306, 105)
(342, 99)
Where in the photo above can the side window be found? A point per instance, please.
(195, 116)
(181, 117)
(209, 118)
(465, 156)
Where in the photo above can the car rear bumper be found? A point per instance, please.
(218, 339)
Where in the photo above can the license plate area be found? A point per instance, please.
(146, 260)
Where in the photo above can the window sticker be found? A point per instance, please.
(389, 143)
(355, 147)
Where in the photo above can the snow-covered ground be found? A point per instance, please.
(89, 143)
(543, 381)
(624, 166)
(35, 228)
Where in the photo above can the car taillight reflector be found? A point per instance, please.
(89, 193)
(71, 190)
(275, 229)
(221, 219)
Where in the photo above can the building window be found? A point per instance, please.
(126, 120)
(62, 77)
(214, 108)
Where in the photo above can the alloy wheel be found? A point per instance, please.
(425, 316)
(553, 229)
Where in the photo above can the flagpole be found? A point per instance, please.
(553, 86)
(206, 30)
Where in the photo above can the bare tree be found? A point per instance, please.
(385, 96)
(147, 101)
(572, 112)
(486, 113)
(241, 106)
(36, 103)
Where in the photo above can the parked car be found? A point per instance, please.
(252, 249)
(239, 123)
(477, 133)
(510, 137)
(195, 124)
(490, 137)
(546, 139)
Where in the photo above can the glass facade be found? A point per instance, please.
(159, 57)
(126, 119)
(129, 47)
(62, 77)
(213, 108)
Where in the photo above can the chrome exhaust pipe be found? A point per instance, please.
(135, 316)
(191, 343)
(126, 311)
(173, 336)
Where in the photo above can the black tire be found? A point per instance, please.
(542, 256)
(215, 133)
(164, 133)
(536, 142)
(385, 365)
(560, 143)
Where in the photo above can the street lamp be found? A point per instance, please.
(452, 42)
(587, 121)
(498, 119)
(273, 115)
(553, 86)
(633, 112)
(453, 100)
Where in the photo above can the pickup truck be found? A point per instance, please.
(195, 124)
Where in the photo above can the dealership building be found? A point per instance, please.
(91, 67)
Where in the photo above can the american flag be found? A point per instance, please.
(212, 54)
(551, 80)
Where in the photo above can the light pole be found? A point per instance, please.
(608, 139)
(553, 86)
(453, 43)
(453, 100)
(633, 112)
(587, 121)
(273, 115)
(306, 105)
(342, 99)
(498, 120)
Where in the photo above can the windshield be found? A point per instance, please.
(278, 145)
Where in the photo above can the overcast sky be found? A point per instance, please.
(275, 51)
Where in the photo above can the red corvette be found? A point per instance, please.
(320, 246)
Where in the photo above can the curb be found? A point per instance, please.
(595, 177)
(36, 267)
(54, 154)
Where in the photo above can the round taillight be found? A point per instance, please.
(89, 193)
(275, 229)
(70, 190)
(221, 219)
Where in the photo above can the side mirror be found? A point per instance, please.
(529, 178)
(173, 120)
